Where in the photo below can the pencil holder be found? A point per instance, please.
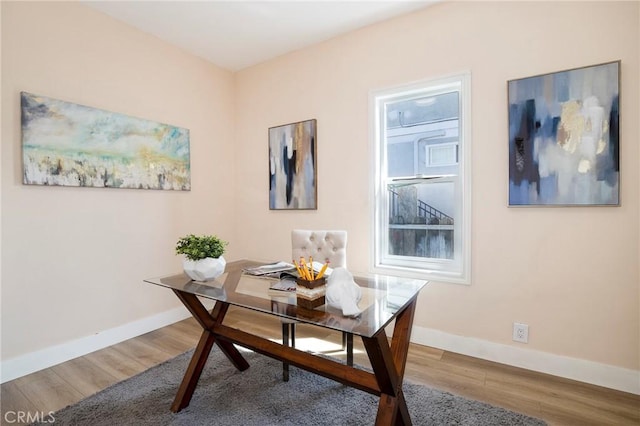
(311, 293)
(312, 283)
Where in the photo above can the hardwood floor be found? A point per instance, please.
(557, 401)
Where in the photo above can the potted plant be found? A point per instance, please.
(203, 256)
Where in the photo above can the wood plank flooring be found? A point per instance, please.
(557, 401)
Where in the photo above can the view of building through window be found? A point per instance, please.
(422, 159)
(422, 188)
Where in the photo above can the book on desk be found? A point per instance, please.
(284, 275)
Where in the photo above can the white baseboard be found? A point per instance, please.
(595, 373)
(609, 376)
(44, 358)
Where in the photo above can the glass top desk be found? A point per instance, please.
(384, 299)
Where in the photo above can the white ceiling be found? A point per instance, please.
(237, 34)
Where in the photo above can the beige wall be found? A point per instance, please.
(74, 258)
(570, 273)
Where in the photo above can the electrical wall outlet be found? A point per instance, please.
(520, 332)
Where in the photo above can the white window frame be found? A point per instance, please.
(457, 270)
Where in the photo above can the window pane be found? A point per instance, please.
(424, 109)
(421, 220)
(412, 129)
(442, 154)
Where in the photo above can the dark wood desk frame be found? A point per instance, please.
(387, 361)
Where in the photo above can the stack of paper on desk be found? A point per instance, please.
(282, 270)
(273, 270)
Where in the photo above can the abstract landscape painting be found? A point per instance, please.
(564, 138)
(292, 166)
(68, 144)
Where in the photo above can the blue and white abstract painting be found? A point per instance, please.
(564, 138)
(67, 144)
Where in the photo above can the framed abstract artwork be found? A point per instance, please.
(66, 144)
(292, 166)
(564, 147)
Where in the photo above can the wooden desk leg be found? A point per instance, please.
(201, 354)
(285, 342)
(349, 347)
(401, 338)
(388, 364)
(194, 370)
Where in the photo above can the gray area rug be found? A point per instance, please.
(258, 396)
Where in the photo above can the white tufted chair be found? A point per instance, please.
(322, 246)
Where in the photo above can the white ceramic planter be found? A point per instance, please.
(204, 269)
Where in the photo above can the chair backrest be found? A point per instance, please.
(321, 245)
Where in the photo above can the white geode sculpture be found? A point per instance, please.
(343, 292)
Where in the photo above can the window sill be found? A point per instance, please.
(424, 274)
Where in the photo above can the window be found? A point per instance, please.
(444, 154)
(422, 188)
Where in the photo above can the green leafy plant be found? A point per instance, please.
(200, 247)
